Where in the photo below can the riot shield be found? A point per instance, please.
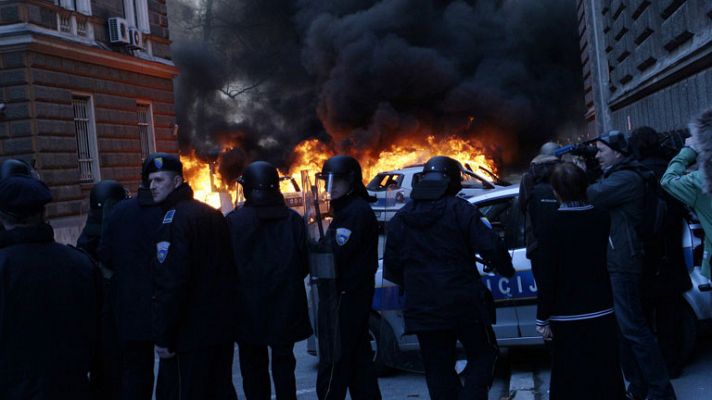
(324, 296)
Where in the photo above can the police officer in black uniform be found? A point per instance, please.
(269, 242)
(430, 252)
(353, 238)
(49, 300)
(127, 248)
(194, 286)
(13, 166)
(106, 369)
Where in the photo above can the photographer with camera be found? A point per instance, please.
(693, 186)
(622, 192)
(664, 275)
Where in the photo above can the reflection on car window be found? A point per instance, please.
(385, 181)
(507, 221)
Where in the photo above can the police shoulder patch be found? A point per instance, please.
(342, 236)
(168, 218)
(162, 251)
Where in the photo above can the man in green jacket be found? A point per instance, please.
(693, 187)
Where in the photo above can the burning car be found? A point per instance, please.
(392, 188)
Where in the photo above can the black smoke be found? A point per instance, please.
(266, 74)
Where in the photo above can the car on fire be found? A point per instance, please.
(392, 188)
(515, 298)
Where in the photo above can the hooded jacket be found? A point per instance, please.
(621, 192)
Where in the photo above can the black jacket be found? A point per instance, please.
(49, 295)
(621, 192)
(430, 252)
(128, 248)
(573, 279)
(272, 261)
(195, 277)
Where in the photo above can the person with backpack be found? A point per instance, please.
(693, 186)
(664, 275)
(622, 192)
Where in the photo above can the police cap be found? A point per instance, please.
(23, 196)
(158, 162)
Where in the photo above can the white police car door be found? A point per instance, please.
(515, 298)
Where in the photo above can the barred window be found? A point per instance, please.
(145, 129)
(86, 139)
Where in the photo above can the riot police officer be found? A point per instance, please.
(269, 243)
(194, 286)
(106, 371)
(49, 295)
(127, 249)
(430, 252)
(13, 166)
(346, 358)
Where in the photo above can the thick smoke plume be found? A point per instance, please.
(264, 75)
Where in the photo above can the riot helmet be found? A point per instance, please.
(104, 191)
(441, 176)
(260, 183)
(11, 167)
(343, 170)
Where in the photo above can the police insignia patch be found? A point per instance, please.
(486, 222)
(162, 251)
(168, 218)
(158, 162)
(342, 236)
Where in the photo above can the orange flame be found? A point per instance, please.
(207, 185)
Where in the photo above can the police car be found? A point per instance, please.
(516, 297)
(392, 188)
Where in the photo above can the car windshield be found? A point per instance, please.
(384, 181)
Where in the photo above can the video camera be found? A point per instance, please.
(587, 152)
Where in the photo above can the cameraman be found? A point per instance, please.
(621, 192)
(664, 273)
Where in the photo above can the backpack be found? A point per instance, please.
(655, 207)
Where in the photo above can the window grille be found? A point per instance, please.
(145, 129)
(82, 28)
(83, 126)
(65, 23)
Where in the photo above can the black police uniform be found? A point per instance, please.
(353, 236)
(430, 252)
(194, 295)
(106, 368)
(128, 249)
(269, 242)
(49, 306)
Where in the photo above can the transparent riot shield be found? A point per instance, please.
(324, 297)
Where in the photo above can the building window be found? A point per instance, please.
(81, 6)
(145, 129)
(65, 23)
(136, 13)
(85, 130)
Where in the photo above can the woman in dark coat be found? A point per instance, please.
(575, 309)
(269, 245)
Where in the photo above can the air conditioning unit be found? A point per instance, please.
(118, 30)
(135, 38)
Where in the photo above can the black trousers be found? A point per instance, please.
(137, 377)
(254, 366)
(439, 351)
(106, 366)
(204, 374)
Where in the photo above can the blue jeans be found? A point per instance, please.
(641, 359)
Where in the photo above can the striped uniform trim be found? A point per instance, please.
(576, 317)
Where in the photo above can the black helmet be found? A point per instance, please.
(106, 190)
(441, 176)
(616, 140)
(260, 175)
(13, 166)
(347, 168)
(156, 162)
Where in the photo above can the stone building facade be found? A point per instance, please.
(81, 104)
(645, 62)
